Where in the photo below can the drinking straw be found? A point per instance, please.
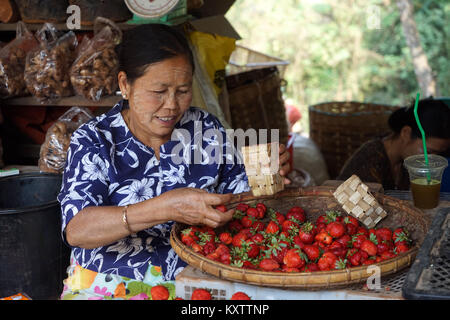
(423, 137)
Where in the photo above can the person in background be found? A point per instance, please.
(122, 189)
(381, 160)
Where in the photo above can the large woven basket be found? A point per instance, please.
(339, 128)
(315, 200)
(256, 101)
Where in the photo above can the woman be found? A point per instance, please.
(124, 186)
(381, 160)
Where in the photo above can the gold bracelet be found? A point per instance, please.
(125, 220)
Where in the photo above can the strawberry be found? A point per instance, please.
(249, 265)
(400, 248)
(225, 237)
(335, 229)
(388, 255)
(307, 233)
(252, 249)
(257, 238)
(289, 226)
(272, 227)
(312, 252)
(268, 264)
(159, 292)
(327, 261)
(384, 234)
(197, 248)
(222, 249)
(298, 242)
(358, 239)
(221, 208)
(350, 229)
(208, 248)
(345, 240)
(285, 268)
(278, 217)
(242, 207)
(297, 215)
(400, 236)
(369, 247)
(354, 256)
(240, 296)
(293, 258)
(382, 246)
(262, 209)
(311, 267)
(201, 294)
(213, 256)
(247, 221)
(225, 258)
(324, 237)
(253, 212)
(351, 220)
(238, 239)
(364, 231)
(235, 226)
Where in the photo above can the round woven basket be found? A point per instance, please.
(339, 128)
(315, 200)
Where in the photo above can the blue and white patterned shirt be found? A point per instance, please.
(107, 166)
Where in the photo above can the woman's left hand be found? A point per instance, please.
(283, 161)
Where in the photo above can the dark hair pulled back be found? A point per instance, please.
(148, 44)
(434, 116)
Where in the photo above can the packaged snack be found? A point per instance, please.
(47, 69)
(94, 72)
(12, 62)
(52, 156)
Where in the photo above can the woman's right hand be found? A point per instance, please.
(196, 207)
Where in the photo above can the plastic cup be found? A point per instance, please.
(425, 191)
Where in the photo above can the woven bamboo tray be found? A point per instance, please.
(315, 200)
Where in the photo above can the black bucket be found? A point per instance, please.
(33, 257)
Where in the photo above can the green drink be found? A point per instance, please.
(425, 195)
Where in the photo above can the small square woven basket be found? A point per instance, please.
(357, 201)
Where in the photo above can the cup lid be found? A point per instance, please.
(418, 162)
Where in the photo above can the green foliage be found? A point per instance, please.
(335, 56)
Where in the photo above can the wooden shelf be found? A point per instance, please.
(108, 101)
(59, 26)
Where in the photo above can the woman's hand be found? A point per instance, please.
(283, 161)
(196, 206)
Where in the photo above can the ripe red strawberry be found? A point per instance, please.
(159, 292)
(249, 265)
(293, 259)
(327, 261)
(388, 255)
(285, 268)
(279, 218)
(335, 229)
(240, 296)
(363, 230)
(238, 239)
(225, 237)
(400, 248)
(311, 267)
(358, 239)
(213, 256)
(324, 237)
(242, 207)
(297, 215)
(289, 226)
(225, 258)
(351, 220)
(247, 221)
(345, 240)
(351, 225)
(298, 242)
(312, 252)
(262, 209)
(382, 246)
(197, 248)
(307, 233)
(222, 249)
(209, 247)
(235, 226)
(257, 238)
(268, 264)
(221, 208)
(384, 234)
(369, 247)
(253, 212)
(354, 257)
(252, 250)
(201, 294)
(272, 227)
(258, 226)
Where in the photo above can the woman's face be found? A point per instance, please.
(434, 146)
(159, 98)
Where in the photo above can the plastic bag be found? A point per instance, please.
(12, 62)
(94, 72)
(47, 69)
(214, 52)
(52, 156)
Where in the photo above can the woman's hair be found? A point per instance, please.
(434, 116)
(150, 43)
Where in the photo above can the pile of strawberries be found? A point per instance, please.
(261, 238)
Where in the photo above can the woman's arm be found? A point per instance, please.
(94, 227)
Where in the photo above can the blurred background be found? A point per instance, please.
(351, 50)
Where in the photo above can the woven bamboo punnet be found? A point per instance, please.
(356, 200)
(315, 201)
(263, 171)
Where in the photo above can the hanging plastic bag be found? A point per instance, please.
(12, 62)
(52, 156)
(94, 72)
(214, 52)
(47, 69)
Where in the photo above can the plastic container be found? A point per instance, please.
(33, 257)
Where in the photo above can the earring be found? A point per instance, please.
(124, 96)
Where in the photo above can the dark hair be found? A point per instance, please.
(146, 44)
(434, 116)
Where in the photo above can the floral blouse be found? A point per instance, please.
(107, 166)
